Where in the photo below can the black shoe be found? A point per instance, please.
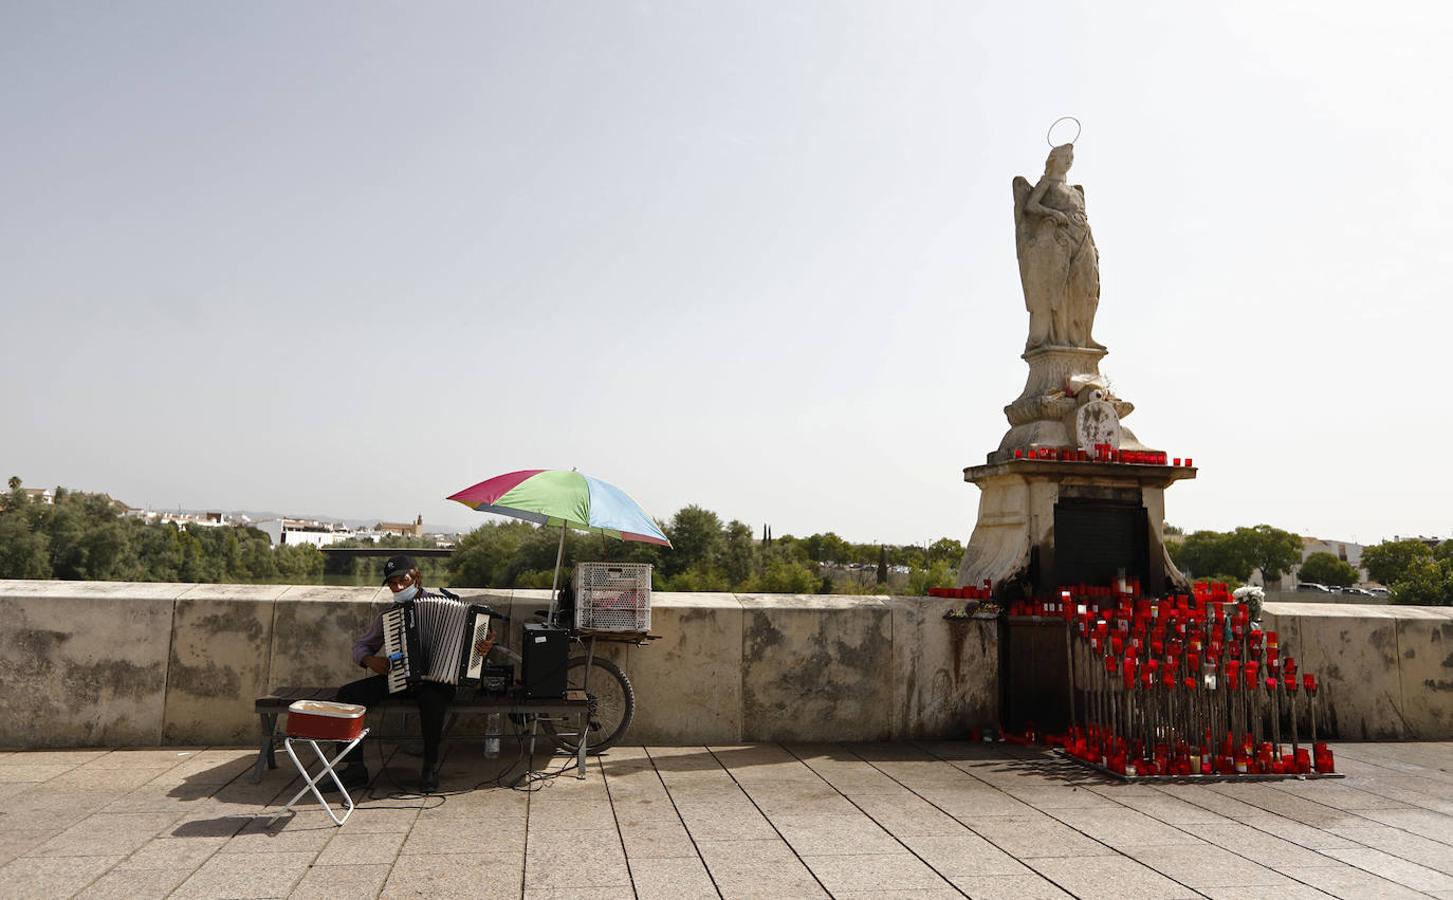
(429, 780)
(354, 776)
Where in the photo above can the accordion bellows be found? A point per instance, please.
(433, 639)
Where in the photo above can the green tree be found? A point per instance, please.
(23, 553)
(882, 564)
(1389, 562)
(1205, 552)
(739, 558)
(1425, 582)
(1269, 549)
(697, 539)
(1324, 568)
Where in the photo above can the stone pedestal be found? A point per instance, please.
(1044, 413)
(1015, 536)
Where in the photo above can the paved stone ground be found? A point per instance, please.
(765, 820)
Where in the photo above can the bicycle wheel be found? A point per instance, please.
(612, 704)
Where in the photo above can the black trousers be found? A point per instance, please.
(433, 700)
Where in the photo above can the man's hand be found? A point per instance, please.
(483, 647)
(377, 664)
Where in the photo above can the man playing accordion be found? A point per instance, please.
(401, 575)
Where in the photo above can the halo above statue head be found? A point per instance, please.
(1049, 135)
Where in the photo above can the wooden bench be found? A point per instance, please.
(269, 708)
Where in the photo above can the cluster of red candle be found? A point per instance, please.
(1101, 453)
(984, 592)
(1071, 597)
(1183, 686)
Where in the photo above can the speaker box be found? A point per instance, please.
(544, 654)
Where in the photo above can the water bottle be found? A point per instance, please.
(491, 736)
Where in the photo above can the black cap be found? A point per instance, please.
(398, 565)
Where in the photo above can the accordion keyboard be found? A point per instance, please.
(395, 649)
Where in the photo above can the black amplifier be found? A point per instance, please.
(544, 653)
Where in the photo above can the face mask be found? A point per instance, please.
(407, 594)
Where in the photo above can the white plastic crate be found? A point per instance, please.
(613, 596)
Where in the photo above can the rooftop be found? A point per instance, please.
(920, 820)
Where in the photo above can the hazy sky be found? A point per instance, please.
(345, 259)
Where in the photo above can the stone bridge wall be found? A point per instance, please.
(90, 663)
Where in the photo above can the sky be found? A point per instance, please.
(345, 259)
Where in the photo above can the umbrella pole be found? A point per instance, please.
(555, 584)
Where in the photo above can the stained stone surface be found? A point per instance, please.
(924, 819)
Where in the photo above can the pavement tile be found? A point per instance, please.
(974, 801)
(1162, 806)
(21, 841)
(1280, 892)
(587, 861)
(106, 834)
(245, 875)
(1270, 799)
(209, 825)
(645, 812)
(595, 893)
(1069, 797)
(1337, 795)
(1206, 866)
(873, 872)
(657, 841)
(45, 878)
(947, 892)
(1425, 823)
(1008, 887)
(433, 836)
(86, 778)
(909, 814)
(679, 878)
(1110, 878)
(964, 854)
(173, 853)
(1403, 845)
(66, 758)
(461, 876)
(1385, 865)
(303, 834)
(835, 835)
(348, 849)
(355, 882)
(571, 816)
(1123, 828)
(32, 773)
(134, 884)
(374, 820)
(1349, 883)
(1040, 836)
(707, 823)
(1253, 843)
(490, 805)
(1297, 833)
(758, 869)
(153, 758)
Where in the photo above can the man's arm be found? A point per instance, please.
(368, 643)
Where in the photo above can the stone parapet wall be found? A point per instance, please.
(1386, 672)
(101, 663)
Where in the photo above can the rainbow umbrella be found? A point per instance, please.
(568, 499)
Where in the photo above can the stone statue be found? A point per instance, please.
(1058, 264)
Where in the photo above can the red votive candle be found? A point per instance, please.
(1189, 464)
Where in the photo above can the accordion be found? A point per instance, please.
(433, 638)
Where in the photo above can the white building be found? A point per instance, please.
(303, 531)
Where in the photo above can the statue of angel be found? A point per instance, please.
(1058, 263)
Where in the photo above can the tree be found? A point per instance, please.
(882, 564)
(1324, 568)
(1269, 549)
(739, 559)
(1389, 562)
(1205, 553)
(1426, 582)
(696, 537)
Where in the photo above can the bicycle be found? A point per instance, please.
(608, 691)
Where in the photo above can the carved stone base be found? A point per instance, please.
(1015, 525)
(1044, 413)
